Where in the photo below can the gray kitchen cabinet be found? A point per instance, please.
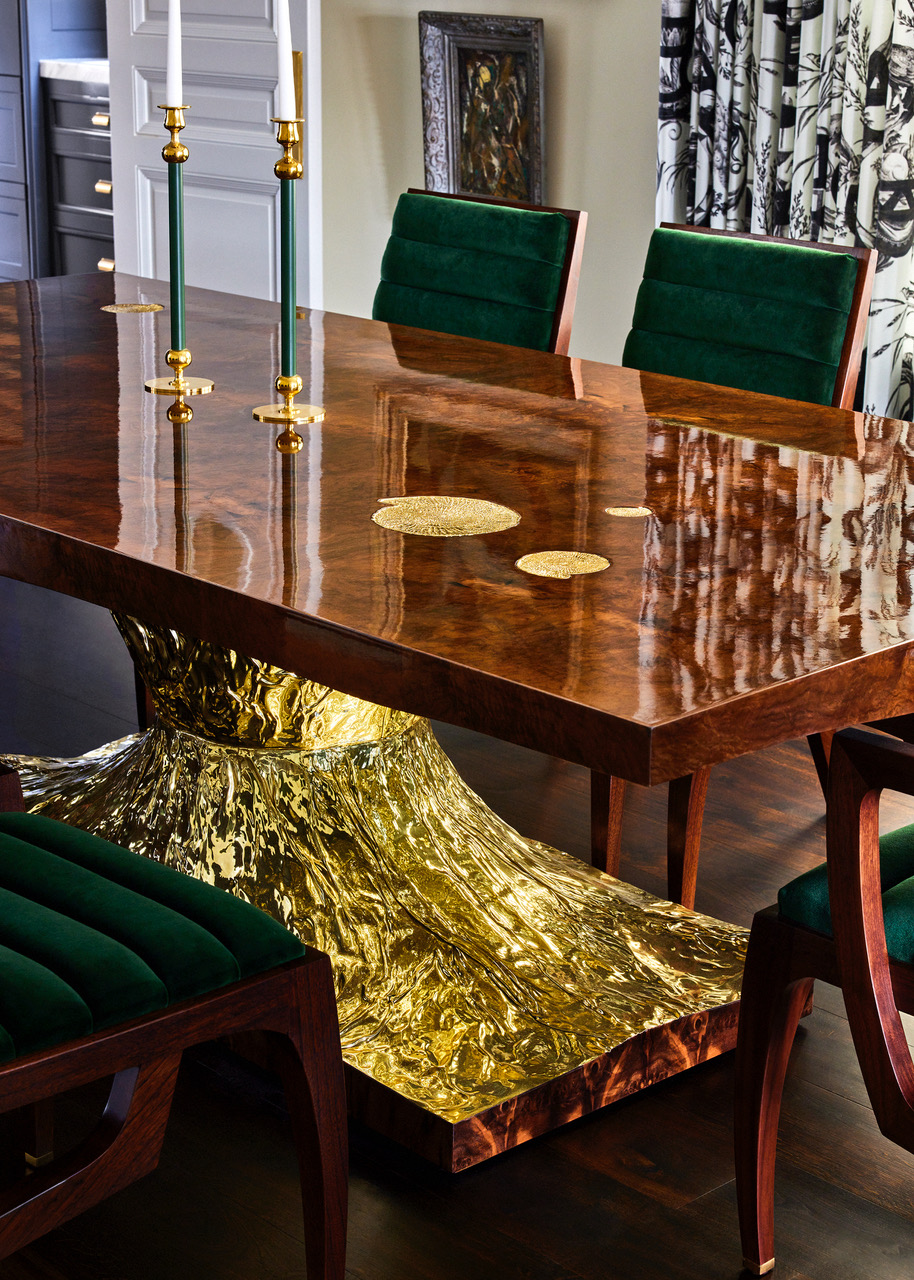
(79, 153)
(33, 30)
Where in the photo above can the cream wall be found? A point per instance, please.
(601, 110)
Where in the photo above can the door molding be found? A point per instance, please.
(230, 79)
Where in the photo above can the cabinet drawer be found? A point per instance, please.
(82, 183)
(77, 252)
(14, 237)
(80, 144)
(84, 115)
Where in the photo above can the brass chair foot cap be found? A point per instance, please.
(758, 1268)
(38, 1162)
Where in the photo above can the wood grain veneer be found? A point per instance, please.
(742, 613)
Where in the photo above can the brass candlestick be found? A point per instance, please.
(288, 383)
(174, 154)
(288, 136)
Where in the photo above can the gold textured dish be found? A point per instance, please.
(128, 307)
(628, 512)
(561, 564)
(438, 516)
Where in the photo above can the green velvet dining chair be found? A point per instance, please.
(850, 923)
(483, 268)
(756, 313)
(781, 317)
(110, 966)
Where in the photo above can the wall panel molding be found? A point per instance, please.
(224, 108)
(201, 19)
(230, 233)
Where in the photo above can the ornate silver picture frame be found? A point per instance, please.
(482, 105)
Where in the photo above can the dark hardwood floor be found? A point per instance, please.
(642, 1191)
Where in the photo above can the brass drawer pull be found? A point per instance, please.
(106, 264)
(103, 186)
(100, 120)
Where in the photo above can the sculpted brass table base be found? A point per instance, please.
(489, 987)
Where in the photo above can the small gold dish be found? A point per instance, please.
(438, 516)
(561, 564)
(124, 308)
(628, 512)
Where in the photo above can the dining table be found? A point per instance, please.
(636, 573)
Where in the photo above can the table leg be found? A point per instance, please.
(685, 811)
(497, 985)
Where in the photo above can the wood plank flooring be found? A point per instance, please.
(642, 1191)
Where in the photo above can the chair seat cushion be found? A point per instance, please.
(805, 900)
(92, 935)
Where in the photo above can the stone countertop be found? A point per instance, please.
(87, 70)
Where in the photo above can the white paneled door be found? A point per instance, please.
(231, 199)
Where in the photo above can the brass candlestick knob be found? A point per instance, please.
(174, 152)
(289, 414)
(179, 386)
(288, 137)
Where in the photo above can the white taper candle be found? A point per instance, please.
(285, 98)
(174, 80)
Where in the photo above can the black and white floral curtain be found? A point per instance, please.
(795, 118)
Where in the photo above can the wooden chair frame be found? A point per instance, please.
(686, 802)
(783, 961)
(571, 268)
(293, 1004)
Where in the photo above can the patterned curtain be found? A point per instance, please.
(795, 118)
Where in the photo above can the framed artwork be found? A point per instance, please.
(482, 105)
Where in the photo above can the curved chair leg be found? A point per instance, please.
(11, 798)
(773, 1000)
(123, 1147)
(37, 1129)
(820, 743)
(607, 796)
(312, 1073)
(685, 812)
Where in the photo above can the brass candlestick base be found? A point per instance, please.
(179, 386)
(289, 414)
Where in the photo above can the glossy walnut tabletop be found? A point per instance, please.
(768, 592)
